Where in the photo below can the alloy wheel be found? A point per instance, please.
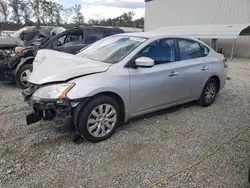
(24, 77)
(102, 120)
(210, 92)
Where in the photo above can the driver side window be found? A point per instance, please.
(161, 51)
(70, 39)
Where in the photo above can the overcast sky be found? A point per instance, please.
(103, 9)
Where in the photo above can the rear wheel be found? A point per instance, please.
(249, 175)
(209, 93)
(22, 76)
(99, 119)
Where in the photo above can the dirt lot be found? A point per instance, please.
(140, 153)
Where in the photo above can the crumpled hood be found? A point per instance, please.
(4, 41)
(52, 66)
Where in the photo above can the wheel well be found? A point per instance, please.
(29, 61)
(217, 79)
(118, 100)
(19, 66)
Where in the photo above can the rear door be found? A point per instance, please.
(93, 35)
(195, 68)
(110, 32)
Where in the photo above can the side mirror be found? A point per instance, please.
(144, 62)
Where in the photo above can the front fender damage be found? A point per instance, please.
(22, 62)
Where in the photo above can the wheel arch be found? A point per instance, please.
(24, 61)
(118, 99)
(217, 79)
(111, 94)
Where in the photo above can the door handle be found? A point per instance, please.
(204, 68)
(173, 73)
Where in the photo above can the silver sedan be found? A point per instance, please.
(121, 77)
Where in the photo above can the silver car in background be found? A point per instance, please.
(121, 77)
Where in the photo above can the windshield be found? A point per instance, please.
(17, 33)
(112, 49)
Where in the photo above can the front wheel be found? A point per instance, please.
(209, 93)
(99, 119)
(22, 76)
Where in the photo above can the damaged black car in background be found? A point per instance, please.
(9, 42)
(17, 68)
(26, 36)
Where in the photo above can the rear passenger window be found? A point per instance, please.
(205, 50)
(113, 32)
(94, 35)
(189, 49)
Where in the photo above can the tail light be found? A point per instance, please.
(225, 63)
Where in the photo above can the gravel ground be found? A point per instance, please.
(140, 153)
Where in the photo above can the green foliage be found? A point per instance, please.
(36, 7)
(66, 14)
(4, 10)
(125, 20)
(25, 12)
(78, 18)
(50, 13)
(16, 13)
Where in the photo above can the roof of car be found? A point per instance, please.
(154, 34)
(95, 27)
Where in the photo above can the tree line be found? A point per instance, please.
(44, 12)
(124, 20)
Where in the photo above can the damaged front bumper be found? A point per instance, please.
(6, 73)
(50, 110)
(60, 110)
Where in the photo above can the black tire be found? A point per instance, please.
(18, 81)
(249, 175)
(83, 116)
(202, 101)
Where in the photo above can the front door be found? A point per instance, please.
(71, 42)
(155, 87)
